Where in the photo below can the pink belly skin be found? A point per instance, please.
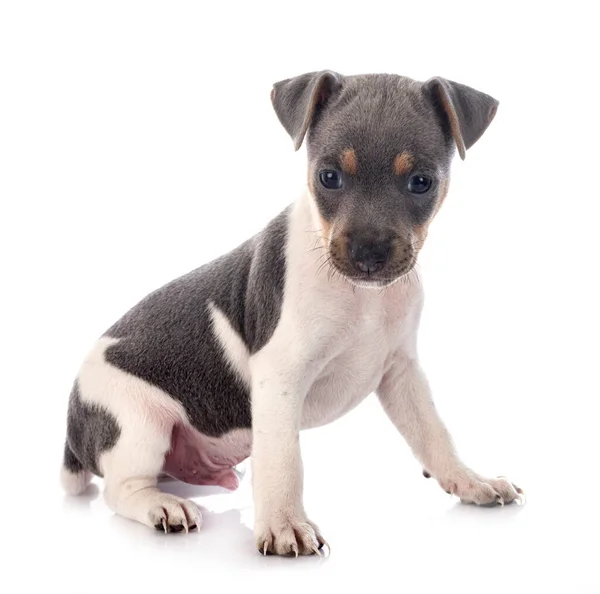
(201, 460)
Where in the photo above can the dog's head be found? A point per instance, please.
(379, 150)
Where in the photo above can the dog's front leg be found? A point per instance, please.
(405, 395)
(281, 526)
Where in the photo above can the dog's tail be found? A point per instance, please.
(73, 476)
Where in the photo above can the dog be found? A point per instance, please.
(294, 327)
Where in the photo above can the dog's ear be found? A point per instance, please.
(296, 100)
(466, 111)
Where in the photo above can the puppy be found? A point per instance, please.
(293, 328)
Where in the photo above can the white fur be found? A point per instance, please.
(405, 395)
(234, 349)
(74, 483)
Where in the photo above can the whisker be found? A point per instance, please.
(325, 263)
(318, 247)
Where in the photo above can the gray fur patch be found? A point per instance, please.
(380, 117)
(70, 460)
(91, 430)
(167, 338)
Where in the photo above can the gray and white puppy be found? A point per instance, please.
(286, 332)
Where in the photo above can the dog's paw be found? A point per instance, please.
(472, 488)
(169, 513)
(288, 536)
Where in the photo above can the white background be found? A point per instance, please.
(137, 141)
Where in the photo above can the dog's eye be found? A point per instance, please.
(419, 184)
(331, 179)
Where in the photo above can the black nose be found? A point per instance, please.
(369, 257)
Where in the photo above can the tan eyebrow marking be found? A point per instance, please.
(349, 162)
(403, 163)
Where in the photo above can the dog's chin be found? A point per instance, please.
(370, 284)
(374, 281)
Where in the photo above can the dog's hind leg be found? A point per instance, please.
(131, 471)
(144, 417)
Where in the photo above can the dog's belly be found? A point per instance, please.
(198, 459)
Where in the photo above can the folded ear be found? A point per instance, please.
(296, 100)
(466, 111)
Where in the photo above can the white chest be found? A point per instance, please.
(371, 327)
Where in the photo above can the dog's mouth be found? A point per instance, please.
(390, 274)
